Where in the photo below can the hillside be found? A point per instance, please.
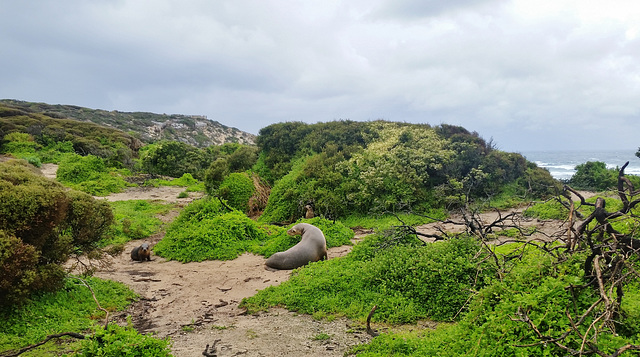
(195, 130)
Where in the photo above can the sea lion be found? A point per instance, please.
(141, 253)
(308, 212)
(311, 248)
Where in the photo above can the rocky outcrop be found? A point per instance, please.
(196, 130)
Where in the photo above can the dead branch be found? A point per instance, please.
(106, 317)
(50, 337)
(369, 330)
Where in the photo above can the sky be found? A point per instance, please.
(528, 75)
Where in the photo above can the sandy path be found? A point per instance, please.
(196, 304)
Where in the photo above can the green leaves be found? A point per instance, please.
(237, 189)
(205, 230)
(407, 283)
(117, 341)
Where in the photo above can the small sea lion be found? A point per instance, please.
(308, 212)
(141, 253)
(311, 248)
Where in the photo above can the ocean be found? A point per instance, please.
(562, 164)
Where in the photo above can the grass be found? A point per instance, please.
(191, 184)
(136, 219)
(388, 220)
(321, 337)
(72, 309)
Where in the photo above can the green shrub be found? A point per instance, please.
(185, 180)
(90, 174)
(205, 230)
(88, 219)
(594, 176)
(55, 151)
(286, 195)
(237, 189)
(19, 265)
(123, 341)
(407, 284)
(42, 224)
(173, 158)
(537, 287)
(22, 146)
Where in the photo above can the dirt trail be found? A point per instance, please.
(196, 304)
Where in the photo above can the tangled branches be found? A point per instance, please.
(610, 264)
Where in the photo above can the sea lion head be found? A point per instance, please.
(295, 230)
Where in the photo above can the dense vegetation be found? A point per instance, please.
(368, 174)
(595, 176)
(41, 226)
(407, 282)
(345, 168)
(74, 309)
(49, 133)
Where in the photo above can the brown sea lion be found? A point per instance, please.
(308, 212)
(311, 248)
(141, 253)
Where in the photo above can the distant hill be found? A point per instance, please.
(196, 130)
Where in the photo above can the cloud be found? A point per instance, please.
(525, 73)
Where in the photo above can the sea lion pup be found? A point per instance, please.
(311, 248)
(308, 212)
(141, 253)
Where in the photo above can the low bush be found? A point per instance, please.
(536, 287)
(42, 225)
(186, 180)
(91, 175)
(207, 230)
(117, 341)
(237, 189)
(407, 283)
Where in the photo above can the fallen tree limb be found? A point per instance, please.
(50, 337)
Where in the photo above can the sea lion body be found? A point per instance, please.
(141, 253)
(311, 248)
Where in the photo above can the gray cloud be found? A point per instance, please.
(532, 76)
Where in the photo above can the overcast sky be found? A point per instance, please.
(531, 74)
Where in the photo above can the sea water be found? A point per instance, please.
(562, 164)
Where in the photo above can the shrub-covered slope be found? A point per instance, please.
(344, 168)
